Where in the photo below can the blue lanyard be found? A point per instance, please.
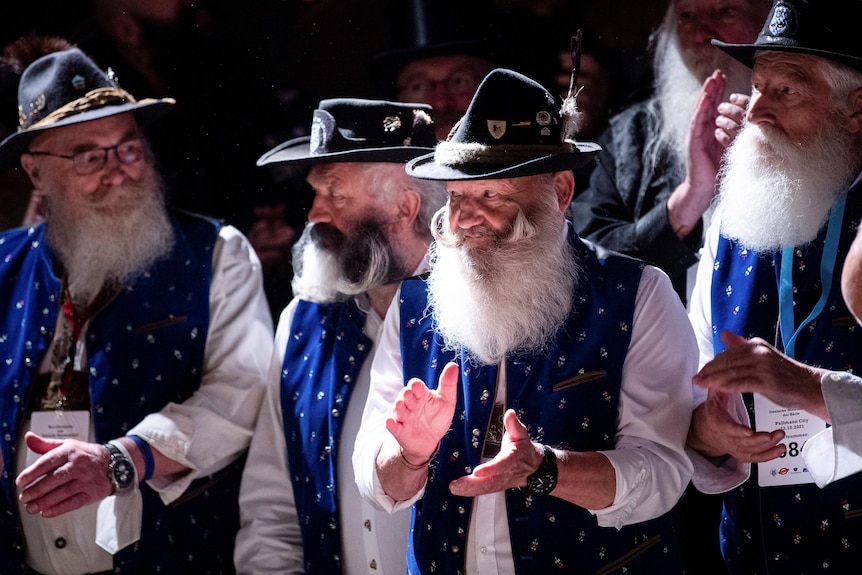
(827, 268)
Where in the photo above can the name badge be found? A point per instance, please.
(798, 426)
(59, 424)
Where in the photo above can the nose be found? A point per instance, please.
(115, 172)
(467, 213)
(319, 212)
(759, 109)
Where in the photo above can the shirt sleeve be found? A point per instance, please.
(269, 539)
(649, 459)
(712, 476)
(836, 452)
(386, 383)
(212, 427)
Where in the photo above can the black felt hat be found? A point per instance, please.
(427, 28)
(825, 28)
(354, 130)
(513, 128)
(64, 88)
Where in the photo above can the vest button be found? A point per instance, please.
(373, 564)
(335, 413)
(367, 524)
(59, 543)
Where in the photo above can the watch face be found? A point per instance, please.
(123, 473)
(544, 479)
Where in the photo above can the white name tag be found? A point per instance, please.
(58, 425)
(798, 426)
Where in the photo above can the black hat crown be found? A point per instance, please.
(825, 28)
(356, 130)
(512, 128)
(64, 88)
(422, 29)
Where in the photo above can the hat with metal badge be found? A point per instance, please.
(824, 28)
(356, 130)
(512, 128)
(64, 88)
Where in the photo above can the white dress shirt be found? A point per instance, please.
(649, 461)
(205, 433)
(270, 540)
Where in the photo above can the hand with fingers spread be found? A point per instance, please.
(715, 433)
(421, 416)
(69, 475)
(517, 459)
(753, 365)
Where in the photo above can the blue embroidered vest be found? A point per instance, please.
(145, 349)
(567, 397)
(322, 360)
(800, 528)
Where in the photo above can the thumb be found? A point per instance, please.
(730, 339)
(514, 428)
(447, 385)
(40, 445)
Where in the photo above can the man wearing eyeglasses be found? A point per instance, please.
(134, 345)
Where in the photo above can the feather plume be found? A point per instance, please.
(569, 112)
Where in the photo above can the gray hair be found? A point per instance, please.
(386, 184)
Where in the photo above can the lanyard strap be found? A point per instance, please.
(827, 268)
(77, 322)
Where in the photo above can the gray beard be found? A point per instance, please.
(775, 193)
(321, 275)
(100, 248)
(511, 298)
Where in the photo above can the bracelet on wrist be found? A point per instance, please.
(147, 455)
(414, 466)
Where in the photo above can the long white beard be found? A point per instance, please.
(775, 193)
(679, 80)
(512, 297)
(112, 244)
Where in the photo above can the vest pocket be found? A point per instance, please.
(152, 326)
(579, 379)
(630, 556)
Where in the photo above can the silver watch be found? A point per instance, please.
(121, 471)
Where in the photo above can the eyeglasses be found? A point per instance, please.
(457, 84)
(91, 161)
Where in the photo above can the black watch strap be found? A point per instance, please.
(544, 479)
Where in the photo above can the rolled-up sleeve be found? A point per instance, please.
(649, 459)
(212, 427)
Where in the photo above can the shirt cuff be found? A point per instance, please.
(835, 452)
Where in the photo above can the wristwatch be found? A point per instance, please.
(121, 471)
(544, 479)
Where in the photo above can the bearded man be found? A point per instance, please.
(553, 404)
(649, 192)
(789, 205)
(136, 344)
(368, 229)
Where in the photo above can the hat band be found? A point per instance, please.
(93, 99)
(452, 154)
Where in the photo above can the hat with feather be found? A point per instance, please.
(513, 127)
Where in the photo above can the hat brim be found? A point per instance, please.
(744, 53)
(425, 168)
(297, 152)
(146, 111)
